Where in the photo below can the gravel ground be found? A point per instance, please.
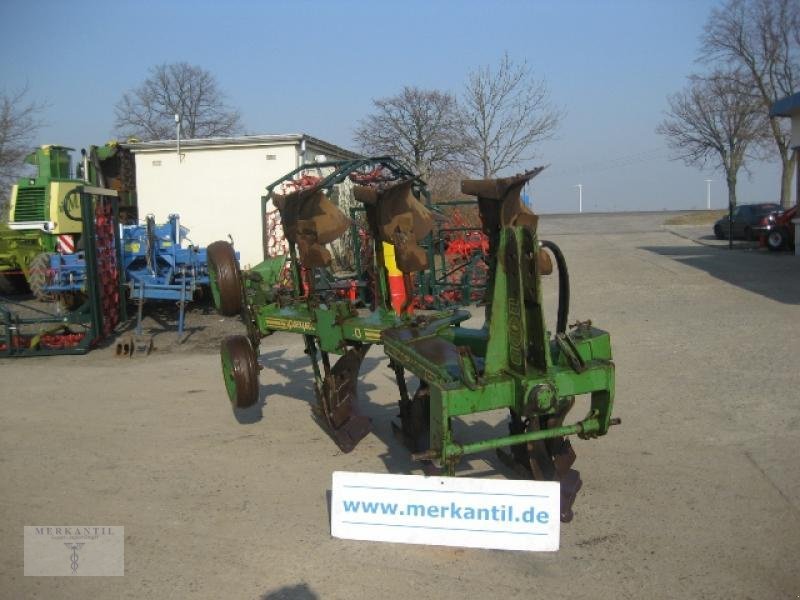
(695, 495)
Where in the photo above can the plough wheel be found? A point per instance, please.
(224, 278)
(240, 370)
(548, 460)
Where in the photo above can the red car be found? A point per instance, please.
(779, 229)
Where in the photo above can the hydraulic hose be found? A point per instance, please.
(563, 286)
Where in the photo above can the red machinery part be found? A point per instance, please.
(107, 267)
(377, 175)
(301, 183)
(49, 341)
(61, 340)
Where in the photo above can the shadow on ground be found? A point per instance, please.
(301, 591)
(773, 275)
(298, 382)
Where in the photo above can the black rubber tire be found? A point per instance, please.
(776, 240)
(37, 276)
(223, 270)
(748, 234)
(240, 370)
(718, 232)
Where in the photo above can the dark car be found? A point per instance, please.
(779, 229)
(746, 219)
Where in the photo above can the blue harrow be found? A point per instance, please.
(157, 261)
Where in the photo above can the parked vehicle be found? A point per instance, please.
(746, 218)
(40, 222)
(778, 229)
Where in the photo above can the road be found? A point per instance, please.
(695, 495)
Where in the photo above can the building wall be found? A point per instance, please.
(216, 191)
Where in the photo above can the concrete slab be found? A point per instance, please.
(695, 495)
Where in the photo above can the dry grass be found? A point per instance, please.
(697, 217)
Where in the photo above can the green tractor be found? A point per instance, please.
(44, 210)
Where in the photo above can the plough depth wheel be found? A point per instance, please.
(224, 278)
(240, 370)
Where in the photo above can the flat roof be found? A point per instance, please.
(786, 107)
(242, 141)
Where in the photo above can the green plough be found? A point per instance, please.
(511, 362)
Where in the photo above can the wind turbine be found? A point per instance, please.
(580, 196)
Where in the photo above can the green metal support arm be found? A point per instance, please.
(588, 427)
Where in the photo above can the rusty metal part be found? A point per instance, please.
(409, 256)
(398, 202)
(338, 399)
(500, 206)
(224, 278)
(496, 189)
(414, 429)
(552, 460)
(240, 370)
(310, 219)
(365, 195)
(545, 262)
(311, 212)
(546, 460)
(499, 201)
(400, 219)
(312, 253)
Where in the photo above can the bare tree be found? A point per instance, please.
(505, 112)
(19, 122)
(761, 39)
(714, 119)
(418, 127)
(445, 184)
(148, 111)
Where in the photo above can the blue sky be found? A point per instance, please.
(314, 67)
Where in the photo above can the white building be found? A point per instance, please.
(216, 184)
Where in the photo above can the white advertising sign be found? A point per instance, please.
(446, 511)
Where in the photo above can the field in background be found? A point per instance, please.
(700, 217)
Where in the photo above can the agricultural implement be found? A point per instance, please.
(39, 224)
(157, 264)
(74, 327)
(512, 362)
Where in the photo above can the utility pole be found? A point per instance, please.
(708, 194)
(580, 197)
(178, 134)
